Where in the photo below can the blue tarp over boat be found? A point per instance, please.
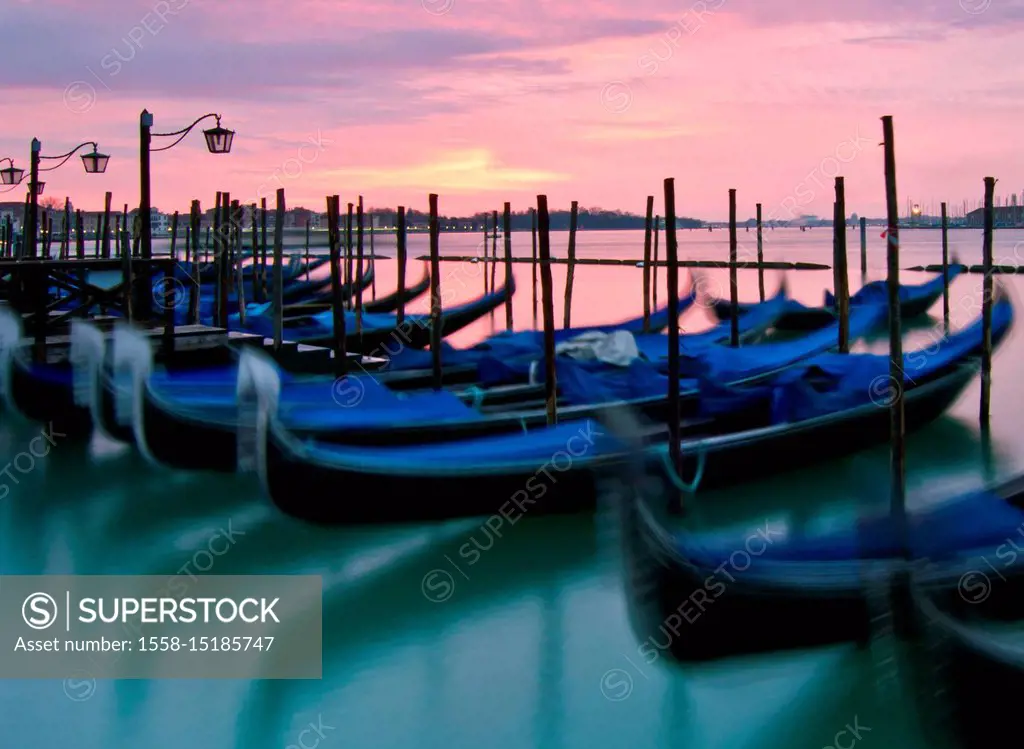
(523, 343)
(834, 382)
(877, 292)
(977, 521)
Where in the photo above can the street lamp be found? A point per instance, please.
(218, 140)
(94, 163)
(11, 175)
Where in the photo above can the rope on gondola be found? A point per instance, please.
(677, 480)
(478, 394)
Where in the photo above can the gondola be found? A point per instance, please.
(812, 411)
(699, 596)
(914, 301)
(210, 413)
(391, 302)
(378, 331)
(970, 655)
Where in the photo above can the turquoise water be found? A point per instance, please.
(531, 647)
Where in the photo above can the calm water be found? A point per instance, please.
(533, 648)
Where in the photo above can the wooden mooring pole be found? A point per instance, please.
(278, 281)
(656, 230)
(494, 255)
(373, 263)
(945, 269)
(507, 231)
(486, 239)
(547, 305)
(337, 297)
(647, 263)
(760, 255)
(734, 302)
(349, 277)
(195, 220)
(307, 249)
(986, 304)
(107, 198)
(570, 268)
(863, 249)
(359, 273)
(897, 424)
(672, 277)
(842, 279)
(402, 259)
(435, 293)
(534, 256)
(263, 249)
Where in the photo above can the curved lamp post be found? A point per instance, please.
(218, 140)
(94, 163)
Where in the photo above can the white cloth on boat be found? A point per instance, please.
(618, 349)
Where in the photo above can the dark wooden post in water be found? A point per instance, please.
(863, 249)
(225, 259)
(547, 304)
(760, 255)
(647, 263)
(237, 226)
(533, 238)
(402, 257)
(195, 219)
(118, 245)
(263, 249)
(734, 302)
(507, 230)
(945, 269)
(485, 254)
(257, 291)
(349, 278)
(359, 274)
(494, 256)
(79, 236)
(672, 276)
(217, 271)
(106, 224)
(570, 268)
(897, 423)
(337, 297)
(654, 270)
(278, 271)
(435, 294)
(986, 304)
(373, 263)
(842, 278)
(307, 249)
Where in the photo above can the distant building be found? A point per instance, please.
(1007, 215)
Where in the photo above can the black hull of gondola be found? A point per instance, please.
(959, 668)
(391, 302)
(177, 441)
(803, 321)
(717, 617)
(696, 615)
(320, 289)
(48, 402)
(297, 488)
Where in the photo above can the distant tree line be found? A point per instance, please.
(588, 218)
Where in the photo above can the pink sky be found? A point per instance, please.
(484, 101)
